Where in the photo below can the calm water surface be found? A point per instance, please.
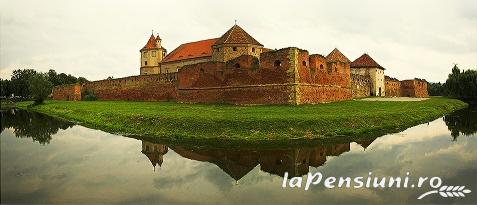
(44, 160)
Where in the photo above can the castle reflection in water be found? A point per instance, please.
(239, 162)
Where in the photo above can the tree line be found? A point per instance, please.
(459, 84)
(30, 84)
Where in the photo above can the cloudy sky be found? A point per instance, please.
(97, 39)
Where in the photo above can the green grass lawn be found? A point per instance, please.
(176, 121)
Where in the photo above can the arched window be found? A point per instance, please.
(234, 48)
(277, 63)
(237, 65)
(253, 50)
(303, 63)
(321, 66)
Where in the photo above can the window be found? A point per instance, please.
(145, 62)
(321, 66)
(336, 69)
(304, 63)
(217, 49)
(277, 63)
(153, 54)
(234, 48)
(253, 50)
(237, 65)
(144, 54)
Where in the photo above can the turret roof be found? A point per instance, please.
(336, 55)
(151, 43)
(365, 61)
(236, 35)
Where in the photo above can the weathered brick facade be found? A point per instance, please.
(414, 88)
(360, 85)
(393, 87)
(67, 92)
(237, 69)
(406, 88)
(284, 76)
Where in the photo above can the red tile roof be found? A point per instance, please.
(151, 43)
(236, 35)
(191, 50)
(365, 61)
(336, 55)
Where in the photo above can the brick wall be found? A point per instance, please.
(414, 88)
(67, 92)
(285, 76)
(393, 87)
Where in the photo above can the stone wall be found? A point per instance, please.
(67, 92)
(360, 86)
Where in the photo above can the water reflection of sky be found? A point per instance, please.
(81, 165)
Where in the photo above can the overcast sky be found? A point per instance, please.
(97, 39)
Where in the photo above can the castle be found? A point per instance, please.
(236, 68)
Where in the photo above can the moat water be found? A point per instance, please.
(45, 160)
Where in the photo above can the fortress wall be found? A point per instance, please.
(360, 86)
(414, 88)
(393, 87)
(322, 81)
(312, 93)
(243, 80)
(67, 92)
(158, 87)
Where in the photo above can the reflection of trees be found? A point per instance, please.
(462, 121)
(37, 126)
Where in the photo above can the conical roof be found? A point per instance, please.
(151, 43)
(236, 35)
(336, 55)
(365, 61)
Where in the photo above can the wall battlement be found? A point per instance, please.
(406, 88)
(284, 76)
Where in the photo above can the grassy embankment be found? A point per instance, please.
(191, 122)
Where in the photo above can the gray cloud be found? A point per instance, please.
(97, 39)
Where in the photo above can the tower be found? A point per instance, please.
(151, 56)
(365, 65)
(234, 43)
(154, 152)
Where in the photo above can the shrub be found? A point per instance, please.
(88, 95)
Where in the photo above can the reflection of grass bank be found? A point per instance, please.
(191, 122)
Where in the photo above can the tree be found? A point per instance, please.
(40, 87)
(20, 80)
(462, 85)
(6, 87)
(436, 89)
